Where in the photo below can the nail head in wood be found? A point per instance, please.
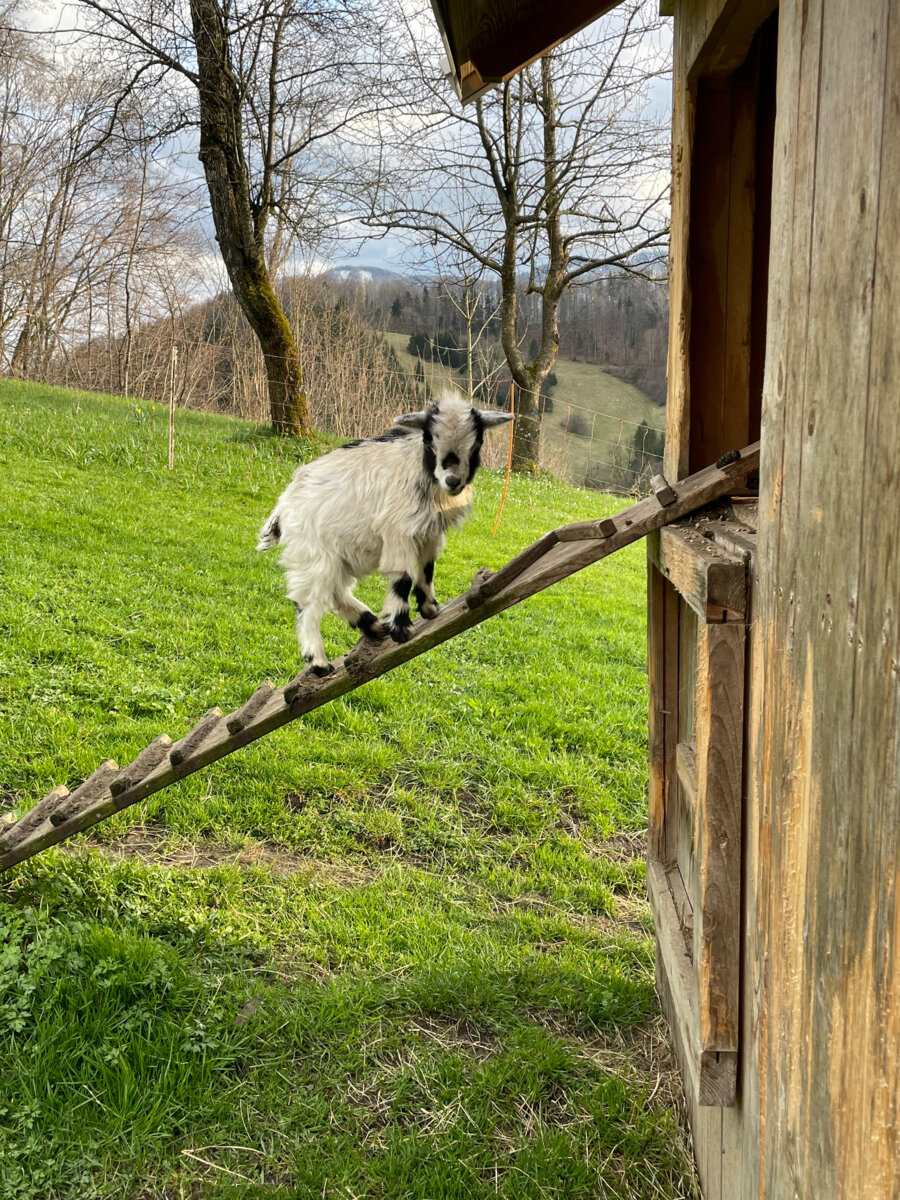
(151, 756)
(660, 488)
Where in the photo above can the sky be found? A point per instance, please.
(392, 252)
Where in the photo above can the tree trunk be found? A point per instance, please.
(238, 229)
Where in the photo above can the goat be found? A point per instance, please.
(380, 504)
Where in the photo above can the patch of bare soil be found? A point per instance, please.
(625, 847)
(156, 846)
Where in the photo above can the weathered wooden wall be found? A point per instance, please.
(826, 699)
(819, 1075)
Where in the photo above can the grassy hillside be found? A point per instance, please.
(398, 949)
(609, 411)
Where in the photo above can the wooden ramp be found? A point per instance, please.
(553, 557)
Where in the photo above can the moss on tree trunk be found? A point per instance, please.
(239, 224)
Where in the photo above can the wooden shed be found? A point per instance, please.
(774, 619)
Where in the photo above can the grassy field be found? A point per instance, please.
(607, 409)
(399, 949)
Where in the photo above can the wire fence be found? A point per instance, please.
(353, 392)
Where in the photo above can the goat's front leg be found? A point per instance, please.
(399, 565)
(426, 601)
(395, 614)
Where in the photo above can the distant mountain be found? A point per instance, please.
(350, 274)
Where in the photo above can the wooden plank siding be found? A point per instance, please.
(817, 1110)
(828, 789)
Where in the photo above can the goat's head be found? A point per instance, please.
(452, 433)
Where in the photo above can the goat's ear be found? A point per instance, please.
(416, 419)
(492, 417)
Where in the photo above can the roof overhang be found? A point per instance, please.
(487, 41)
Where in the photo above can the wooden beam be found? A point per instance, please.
(719, 772)
(686, 769)
(487, 43)
(711, 581)
(369, 660)
(710, 1076)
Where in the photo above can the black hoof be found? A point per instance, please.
(370, 627)
(320, 671)
(401, 633)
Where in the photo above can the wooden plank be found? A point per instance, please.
(713, 582)
(94, 786)
(660, 488)
(810, 924)
(183, 749)
(734, 429)
(788, 301)
(686, 766)
(729, 40)
(865, 1043)
(710, 1077)
(656, 820)
(720, 740)
(685, 813)
(708, 269)
(487, 43)
(678, 374)
(684, 909)
(151, 756)
(14, 835)
(369, 660)
(671, 667)
(242, 716)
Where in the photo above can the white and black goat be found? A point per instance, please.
(382, 504)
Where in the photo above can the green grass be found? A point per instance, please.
(611, 411)
(391, 950)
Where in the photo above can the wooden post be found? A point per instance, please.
(172, 374)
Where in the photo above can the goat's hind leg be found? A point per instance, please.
(309, 635)
(358, 615)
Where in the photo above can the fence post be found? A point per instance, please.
(172, 372)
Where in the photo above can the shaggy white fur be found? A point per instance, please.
(383, 504)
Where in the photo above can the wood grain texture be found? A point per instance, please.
(656, 808)
(710, 1077)
(706, 576)
(488, 42)
(686, 769)
(675, 462)
(826, 889)
(719, 765)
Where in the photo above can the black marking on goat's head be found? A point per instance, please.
(452, 435)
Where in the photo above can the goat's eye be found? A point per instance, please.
(450, 460)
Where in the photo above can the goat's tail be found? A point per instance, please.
(270, 534)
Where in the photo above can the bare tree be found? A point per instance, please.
(464, 286)
(553, 177)
(269, 84)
